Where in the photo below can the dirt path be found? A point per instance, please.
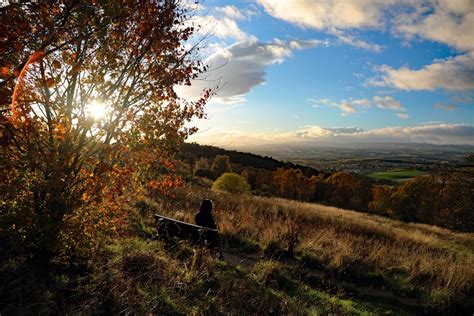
(389, 295)
(248, 261)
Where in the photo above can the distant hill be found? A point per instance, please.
(366, 157)
(191, 151)
(332, 151)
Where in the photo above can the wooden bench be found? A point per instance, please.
(168, 228)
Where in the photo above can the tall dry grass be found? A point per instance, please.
(420, 258)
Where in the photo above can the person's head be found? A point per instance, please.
(206, 206)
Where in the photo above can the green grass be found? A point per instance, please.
(397, 174)
(346, 263)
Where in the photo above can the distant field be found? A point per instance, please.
(397, 175)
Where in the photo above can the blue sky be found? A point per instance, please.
(337, 70)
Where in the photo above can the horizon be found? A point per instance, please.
(332, 71)
(333, 175)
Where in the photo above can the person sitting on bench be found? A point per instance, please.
(204, 216)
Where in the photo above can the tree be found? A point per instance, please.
(250, 174)
(232, 182)
(88, 111)
(319, 188)
(202, 169)
(443, 199)
(381, 199)
(349, 191)
(412, 198)
(220, 165)
(292, 183)
(263, 181)
(456, 210)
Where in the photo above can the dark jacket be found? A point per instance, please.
(205, 219)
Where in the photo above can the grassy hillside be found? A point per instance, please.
(280, 256)
(343, 261)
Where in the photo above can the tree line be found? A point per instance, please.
(443, 198)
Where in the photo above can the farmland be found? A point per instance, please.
(397, 174)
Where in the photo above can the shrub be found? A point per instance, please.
(232, 182)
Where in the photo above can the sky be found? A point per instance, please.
(335, 70)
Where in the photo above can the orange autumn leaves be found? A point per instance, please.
(129, 55)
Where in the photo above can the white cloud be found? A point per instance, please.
(314, 131)
(346, 108)
(446, 21)
(238, 68)
(321, 14)
(222, 27)
(332, 15)
(434, 133)
(449, 22)
(221, 22)
(403, 116)
(230, 11)
(319, 102)
(351, 40)
(455, 73)
(364, 103)
(350, 105)
(235, 13)
(446, 107)
(388, 102)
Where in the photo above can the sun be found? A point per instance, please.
(96, 109)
